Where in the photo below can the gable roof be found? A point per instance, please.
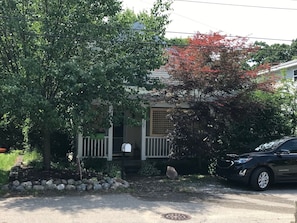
(286, 65)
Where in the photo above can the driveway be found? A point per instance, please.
(224, 204)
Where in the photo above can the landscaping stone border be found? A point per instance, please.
(91, 184)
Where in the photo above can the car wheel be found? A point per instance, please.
(260, 179)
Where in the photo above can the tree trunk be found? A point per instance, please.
(46, 149)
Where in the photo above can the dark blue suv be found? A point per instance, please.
(269, 163)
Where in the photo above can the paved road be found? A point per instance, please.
(234, 206)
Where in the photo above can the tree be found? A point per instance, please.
(58, 56)
(210, 76)
(275, 53)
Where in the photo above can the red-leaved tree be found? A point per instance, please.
(211, 89)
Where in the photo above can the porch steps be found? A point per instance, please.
(131, 166)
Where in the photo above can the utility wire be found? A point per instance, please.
(238, 5)
(249, 37)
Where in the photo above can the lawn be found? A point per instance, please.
(7, 161)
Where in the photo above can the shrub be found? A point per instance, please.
(97, 164)
(149, 169)
(112, 169)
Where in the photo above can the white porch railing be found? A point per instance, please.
(94, 147)
(157, 147)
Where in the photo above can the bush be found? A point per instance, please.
(149, 168)
(97, 164)
(112, 169)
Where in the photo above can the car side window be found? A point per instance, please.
(290, 145)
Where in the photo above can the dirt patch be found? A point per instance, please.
(184, 189)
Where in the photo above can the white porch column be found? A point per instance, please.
(79, 145)
(143, 136)
(110, 137)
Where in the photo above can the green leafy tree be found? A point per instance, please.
(275, 53)
(58, 56)
(261, 119)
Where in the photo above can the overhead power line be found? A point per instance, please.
(238, 5)
(248, 37)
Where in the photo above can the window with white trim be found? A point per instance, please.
(159, 122)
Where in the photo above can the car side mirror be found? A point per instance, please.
(283, 152)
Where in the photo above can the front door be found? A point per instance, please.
(118, 138)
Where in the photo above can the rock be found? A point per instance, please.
(115, 186)
(20, 188)
(49, 182)
(50, 185)
(15, 183)
(38, 187)
(89, 187)
(125, 184)
(70, 187)
(64, 181)
(57, 181)
(60, 186)
(93, 180)
(81, 187)
(27, 184)
(97, 186)
(78, 182)
(43, 182)
(109, 180)
(105, 186)
(171, 173)
(70, 182)
(36, 182)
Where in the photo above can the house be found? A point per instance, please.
(148, 140)
(288, 68)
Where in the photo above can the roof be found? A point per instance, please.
(289, 64)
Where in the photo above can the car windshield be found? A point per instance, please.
(269, 145)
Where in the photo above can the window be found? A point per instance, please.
(295, 75)
(290, 145)
(160, 124)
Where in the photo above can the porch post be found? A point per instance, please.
(79, 145)
(143, 136)
(110, 137)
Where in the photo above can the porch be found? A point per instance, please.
(148, 140)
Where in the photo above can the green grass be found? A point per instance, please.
(30, 157)
(7, 161)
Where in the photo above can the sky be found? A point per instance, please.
(270, 21)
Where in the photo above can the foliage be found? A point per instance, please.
(32, 157)
(112, 169)
(10, 133)
(58, 56)
(7, 161)
(177, 42)
(287, 97)
(148, 168)
(211, 78)
(263, 121)
(275, 53)
(97, 164)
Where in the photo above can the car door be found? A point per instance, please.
(285, 162)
